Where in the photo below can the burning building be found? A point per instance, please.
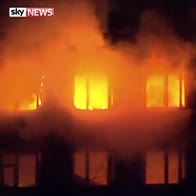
(113, 116)
(156, 106)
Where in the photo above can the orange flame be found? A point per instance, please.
(32, 105)
(155, 91)
(91, 92)
(158, 90)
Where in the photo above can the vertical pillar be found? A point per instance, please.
(166, 169)
(110, 172)
(56, 166)
(87, 167)
(16, 170)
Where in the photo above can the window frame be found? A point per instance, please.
(110, 167)
(87, 93)
(15, 166)
(181, 167)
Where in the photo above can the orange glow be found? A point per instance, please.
(39, 101)
(155, 167)
(98, 93)
(31, 104)
(27, 171)
(173, 164)
(80, 93)
(91, 93)
(173, 91)
(80, 164)
(156, 89)
(98, 167)
(183, 94)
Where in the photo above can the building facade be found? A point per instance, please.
(114, 131)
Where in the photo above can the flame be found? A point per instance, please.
(32, 105)
(80, 97)
(39, 101)
(173, 91)
(34, 102)
(28, 104)
(91, 92)
(183, 93)
(156, 89)
(98, 93)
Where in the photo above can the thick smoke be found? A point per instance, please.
(71, 42)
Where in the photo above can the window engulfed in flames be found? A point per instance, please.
(34, 101)
(32, 104)
(165, 91)
(91, 92)
(155, 91)
(80, 96)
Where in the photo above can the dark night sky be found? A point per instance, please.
(177, 12)
(127, 13)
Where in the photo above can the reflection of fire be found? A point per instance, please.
(156, 167)
(160, 88)
(91, 93)
(95, 167)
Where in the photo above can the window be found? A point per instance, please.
(91, 168)
(155, 168)
(25, 98)
(165, 91)
(163, 168)
(80, 97)
(34, 101)
(80, 165)
(27, 171)
(31, 104)
(19, 170)
(91, 92)
(9, 169)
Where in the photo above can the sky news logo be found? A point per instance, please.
(30, 12)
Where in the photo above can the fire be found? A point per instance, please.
(155, 91)
(173, 91)
(34, 101)
(183, 93)
(32, 104)
(98, 93)
(91, 92)
(80, 97)
(165, 91)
